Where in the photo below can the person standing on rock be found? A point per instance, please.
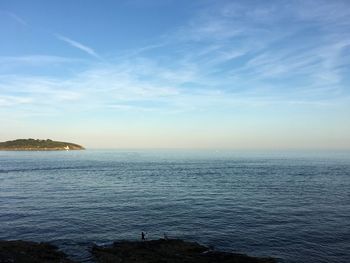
(143, 236)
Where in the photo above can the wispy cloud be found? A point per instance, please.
(36, 60)
(140, 86)
(38, 64)
(229, 55)
(78, 45)
(253, 45)
(17, 18)
(9, 101)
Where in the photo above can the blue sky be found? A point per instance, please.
(177, 74)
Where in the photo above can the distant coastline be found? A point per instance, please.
(38, 145)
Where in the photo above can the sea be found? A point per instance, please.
(294, 206)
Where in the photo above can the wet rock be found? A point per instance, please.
(30, 252)
(167, 251)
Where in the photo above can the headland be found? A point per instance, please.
(38, 145)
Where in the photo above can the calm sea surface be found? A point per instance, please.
(293, 206)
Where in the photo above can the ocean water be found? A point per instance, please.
(292, 206)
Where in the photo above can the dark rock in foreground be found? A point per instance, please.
(168, 251)
(155, 251)
(30, 252)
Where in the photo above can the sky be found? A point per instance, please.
(201, 74)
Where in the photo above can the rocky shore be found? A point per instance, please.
(153, 251)
(168, 251)
(30, 252)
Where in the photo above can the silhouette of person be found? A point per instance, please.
(143, 236)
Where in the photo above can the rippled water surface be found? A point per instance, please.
(293, 206)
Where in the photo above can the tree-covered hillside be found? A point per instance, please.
(36, 144)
